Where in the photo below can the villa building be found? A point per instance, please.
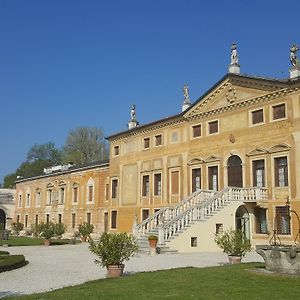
(229, 160)
(7, 207)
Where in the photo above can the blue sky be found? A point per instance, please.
(68, 63)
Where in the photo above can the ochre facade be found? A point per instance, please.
(244, 132)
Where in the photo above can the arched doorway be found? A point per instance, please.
(235, 171)
(242, 220)
(2, 218)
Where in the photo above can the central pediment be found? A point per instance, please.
(231, 90)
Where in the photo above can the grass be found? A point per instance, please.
(226, 282)
(11, 262)
(30, 241)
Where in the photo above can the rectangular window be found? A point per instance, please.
(18, 218)
(145, 186)
(196, 180)
(26, 220)
(213, 178)
(59, 218)
(281, 171)
(157, 184)
(114, 188)
(146, 143)
(282, 220)
(38, 198)
(47, 218)
(73, 220)
(116, 150)
(257, 116)
(62, 195)
(36, 219)
(158, 140)
(114, 219)
(75, 194)
(193, 241)
(145, 214)
(88, 218)
(279, 111)
(174, 182)
(91, 193)
(20, 200)
(258, 169)
(28, 200)
(260, 220)
(213, 127)
(219, 228)
(50, 196)
(196, 131)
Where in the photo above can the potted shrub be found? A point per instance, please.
(47, 232)
(153, 239)
(234, 243)
(59, 229)
(113, 249)
(85, 229)
(17, 227)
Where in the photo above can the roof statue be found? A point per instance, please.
(132, 113)
(186, 93)
(293, 56)
(234, 54)
(187, 102)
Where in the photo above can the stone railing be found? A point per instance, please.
(204, 209)
(167, 214)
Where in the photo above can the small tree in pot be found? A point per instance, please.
(234, 243)
(85, 229)
(47, 232)
(113, 249)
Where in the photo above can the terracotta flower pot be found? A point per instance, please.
(234, 259)
(114, 271)
(152, 243)
(47, 242)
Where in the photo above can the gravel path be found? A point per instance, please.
(51, 268)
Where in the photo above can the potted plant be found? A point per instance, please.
(17, 227)
(47, 232)
(85, 229)
(113, 249)
(234, 243)
(59, 229)
(153, 239)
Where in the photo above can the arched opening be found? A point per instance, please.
(235, 171)
(242, 220)
(2, 218)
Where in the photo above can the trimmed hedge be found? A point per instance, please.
(10, 262)
(4, 253)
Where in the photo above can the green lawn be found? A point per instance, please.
(244, 281)
(29, 241)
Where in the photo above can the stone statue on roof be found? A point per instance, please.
(293, 56)
(132, 113)
(186, 93)
(234, 54)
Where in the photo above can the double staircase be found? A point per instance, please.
(170, 222)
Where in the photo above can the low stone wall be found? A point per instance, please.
(281, 259)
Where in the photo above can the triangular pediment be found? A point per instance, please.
(195, 161)
(212, 158)
(230, 91)
(257, 151)
(279, 148)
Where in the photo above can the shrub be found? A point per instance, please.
(10, 262)
(113, 248)
(85, 229)
(17, 227)
(4, 253)
(36, 229)
(152, 237)
(233, 242)
(59, 229)
(47, 230)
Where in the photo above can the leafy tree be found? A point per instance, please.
(85, 145)
(38, 158)
(44, 152)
